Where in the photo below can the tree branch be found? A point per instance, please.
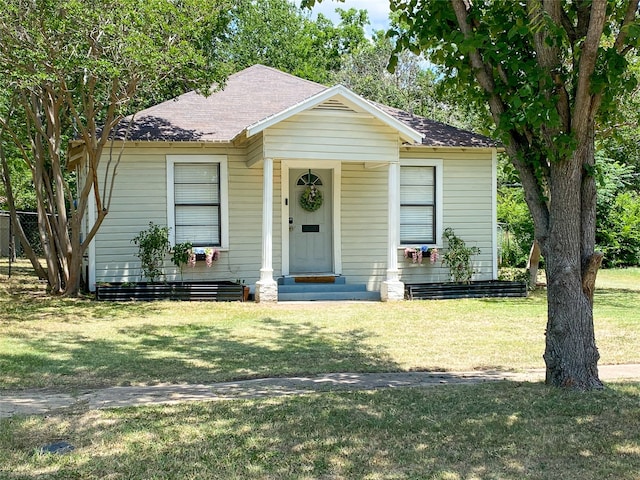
(6, 180)
(583, 113)
(549, 60)
(569, 28)
(629, 17)
(516, 147)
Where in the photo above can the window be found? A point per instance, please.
(309, 179)
(196, 193)
(420, 199)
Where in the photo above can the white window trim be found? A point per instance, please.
(438, 164)
(224, 193)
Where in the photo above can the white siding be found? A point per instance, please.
(364, 224)
(255, 152)
(140, 197)
(332, 135)
(467, 209)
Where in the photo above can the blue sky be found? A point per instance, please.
(378, 10)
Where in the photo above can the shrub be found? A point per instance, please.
(618, 234)
(458, 257)
(181, 254)
(517, 227)
(153, 245)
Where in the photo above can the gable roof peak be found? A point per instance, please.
(260, 69)
(407, 132)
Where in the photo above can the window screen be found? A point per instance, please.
(417, 204)
(197, 203)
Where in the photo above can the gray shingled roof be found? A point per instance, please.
(255, 94)
(249, 96)
(438, 134)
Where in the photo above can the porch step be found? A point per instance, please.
(312, 278)
(291, 290)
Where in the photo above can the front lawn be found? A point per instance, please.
(80, 343)
(502, 430)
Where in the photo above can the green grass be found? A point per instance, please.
(492, 431)
(80, 343)
(619, 279)
(503, 430)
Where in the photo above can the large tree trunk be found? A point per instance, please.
(571, 354)
(557, 178)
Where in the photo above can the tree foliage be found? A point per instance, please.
(548, 71)
(516, 227)
(617, 232)
(618, 211)
(411, 86)
(70, 70)
(22, 184)
(278, 34)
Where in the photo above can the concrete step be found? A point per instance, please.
(329, 295)
(328, 279)
(322, 287)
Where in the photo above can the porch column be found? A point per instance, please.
(392, 288)
(266, 287)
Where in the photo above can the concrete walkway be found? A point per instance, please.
(39, 402)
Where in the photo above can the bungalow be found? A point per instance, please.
(296, 184)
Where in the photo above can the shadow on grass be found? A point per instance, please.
(506, 430)
(29, 302)
(196, 353)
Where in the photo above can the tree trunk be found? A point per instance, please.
(533, 263)
(15, 222)
(571, 354)
(72, 287)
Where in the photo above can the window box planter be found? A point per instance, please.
(184, 291)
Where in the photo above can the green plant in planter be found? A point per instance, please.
(458, 257)
(153, 245)
(180, 255)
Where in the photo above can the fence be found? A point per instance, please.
(10, 246)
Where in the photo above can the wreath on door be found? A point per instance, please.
(311, 199)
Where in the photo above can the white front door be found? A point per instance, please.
(310, 222)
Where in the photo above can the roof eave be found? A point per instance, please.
(498, 149)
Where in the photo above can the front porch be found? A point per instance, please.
(344, 253)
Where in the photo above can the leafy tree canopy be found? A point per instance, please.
(278, 34)
(73, 69)
(412, 85)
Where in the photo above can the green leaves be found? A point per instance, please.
(458, 257)
(278, 34)
(106, 39)
(153, 245)
(74, 68)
